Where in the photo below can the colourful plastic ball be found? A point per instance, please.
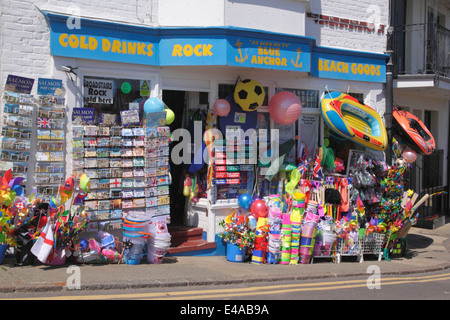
(221, 107)
(153, 105)
(170, 116)
(258, 209)
(245, 201)
(285, 107)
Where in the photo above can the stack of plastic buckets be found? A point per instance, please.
(296, 220)
(259, 251)
(274, 243)
(286, 235)
(309, 231)
(135, 230)
(159, 241)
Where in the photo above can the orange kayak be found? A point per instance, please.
(413, 132)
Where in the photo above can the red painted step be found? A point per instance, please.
(188, 239)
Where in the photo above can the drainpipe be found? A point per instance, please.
(389, 87)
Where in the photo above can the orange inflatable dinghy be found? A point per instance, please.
(413, 132)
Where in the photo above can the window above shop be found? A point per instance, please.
(310, 98)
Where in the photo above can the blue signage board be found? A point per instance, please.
(259, 52)
(104, 41)
(334, 63)
(18, 84)
(188, 51)
(220, 46)
(48, 86)
(84, 115)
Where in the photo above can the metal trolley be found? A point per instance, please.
(371, 243)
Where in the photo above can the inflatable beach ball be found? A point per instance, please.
(170, 116)
(221, 107)
(153, 104)
(249, 95)
(285, 107)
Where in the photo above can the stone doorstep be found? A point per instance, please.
(187, 239)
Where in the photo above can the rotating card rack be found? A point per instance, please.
(128, 169)
(16, 135)
(50, 147)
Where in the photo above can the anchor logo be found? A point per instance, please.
(295, 63)
(241, 59)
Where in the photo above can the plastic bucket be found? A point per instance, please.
(133, 255)
(306, 250)
(309, 230)
(312, 217)
(258, 256)
(305, 241)
(56, 258)
(156, 255)
(3, 248)
(305, 259)
(234, 253)
(272, 258)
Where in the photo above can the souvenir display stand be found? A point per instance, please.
(51, 143)
(128, 168)
(17, 134)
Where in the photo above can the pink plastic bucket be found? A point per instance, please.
(309, 229)
(56, 258)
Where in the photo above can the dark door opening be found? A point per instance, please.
(175, 100)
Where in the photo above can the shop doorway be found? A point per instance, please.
(183, 104)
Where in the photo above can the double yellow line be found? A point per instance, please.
(254, 290)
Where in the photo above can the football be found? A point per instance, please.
(249, 95)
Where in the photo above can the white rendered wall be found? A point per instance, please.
(283, 16)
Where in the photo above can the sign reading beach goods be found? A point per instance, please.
(268, 54)
(364, 67)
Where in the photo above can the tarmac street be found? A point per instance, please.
(428, 250)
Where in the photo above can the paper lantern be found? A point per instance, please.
(409, 155)
(285, 107)
(221, 107)
(153, 105)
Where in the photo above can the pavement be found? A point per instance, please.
(428, 250)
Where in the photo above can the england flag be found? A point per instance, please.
(44, 244)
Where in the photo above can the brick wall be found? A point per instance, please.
(350, 24)
(25, 37)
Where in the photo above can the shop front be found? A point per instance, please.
(224, 147)
(190, 69)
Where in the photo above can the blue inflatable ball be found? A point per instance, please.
(153, 105)
(245, 201)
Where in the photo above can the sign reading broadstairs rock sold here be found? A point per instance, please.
(98, 91)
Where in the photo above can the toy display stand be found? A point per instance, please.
(325, 252)
(348, 249)
(372, 243)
